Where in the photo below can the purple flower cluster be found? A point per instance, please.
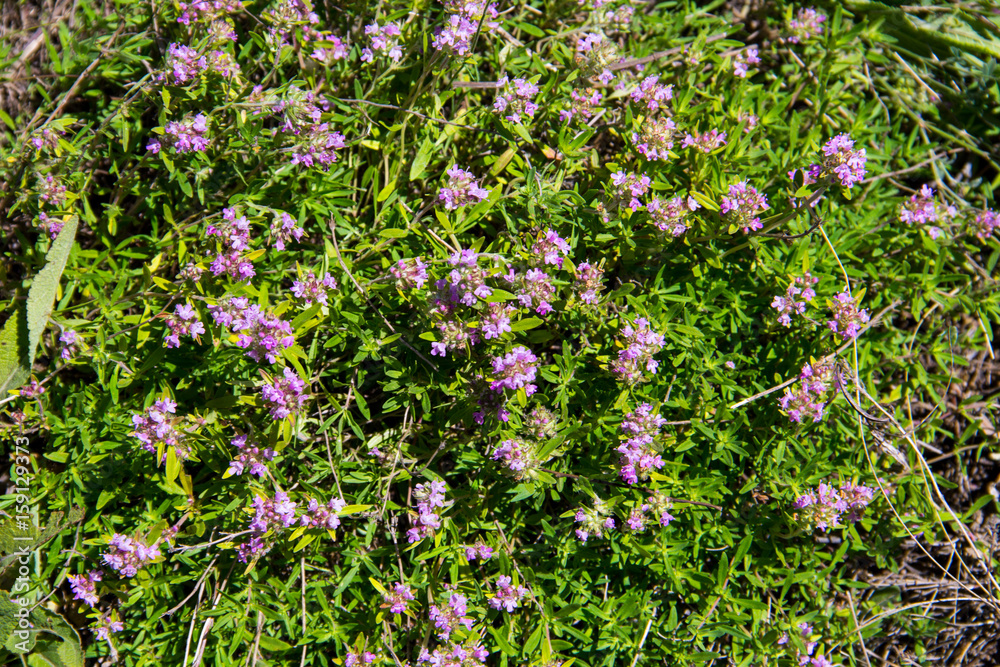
(409, 273)
(842, 162)
(285, 395)
(274, 514)
(32, 390)
(52, 192)
(639, 451)
(742, 61)
(629, 186)
(533, 288)
(742, 205)
(516, 97)
(185, 136)
(655, 138)
(127, 556)
(156, 427)
(595, 54)
(589, 282)
(652, 94)
(284, 229)
(312, 289)
(495, 320)
(234, 232)
(658, 505)
(385, 42)
(594, 521)
(583, 105)
(478, 551)
(515, 370)
(50, 225)
(507, 595)
(106, 626)
(550, 248)
(462, 189)
(826, 506)
(357, 656)
(259, 333)
(788, 305)
(705, 142)
(317, 144)
(429, 497)
(470, 654)
(986, 224)
(46, 139)
(465, 284)
(922, 209)
(520, 457)
(185, 64)
(807, 23)
(640, 345)
(809, 398)
(69, 339)
(325, 517)
(85, 586)
(395, 601)
(251, 455)
(669, 216)
(462, 23)
(182, 322)
(203, 10)
(448, 617)
(848, 319)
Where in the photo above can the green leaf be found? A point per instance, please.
(423, 157)
(527, 323)
(273, 644)
(21, 333)
(394, 233)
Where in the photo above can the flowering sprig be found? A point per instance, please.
(848, 319)
(742, 205)
(234, 233)
(478, 551)
(640, 345)
(742, 61)
(283, 230)
(985, 224)
(589, 282)
(827, 506)
(311, 289)
(788, 304)
(186, 136)
(270, 514)
(533, 289)
(182, 322)
(583, 105)
(623, 191)
(284, 396)
(157, 428)
(397, 597)
(515, 98)
(260, 333)
(652, 94)
(655, 138)
(639, 450)
(842, 162)
(806, 24)
(184, 65)
(519, 456)
(808, 399)
(325, 517)
(670, 216)
(84, 586)
(462, 22)
(385, 42)
(448, 617)
(69, 340)
(594, 521)
(515, 370)
(922, 209)
(409, 273)
(126, 555)
(462, 189)
(706, 142)
(430, 497)
(250, 456)
(508, 595)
